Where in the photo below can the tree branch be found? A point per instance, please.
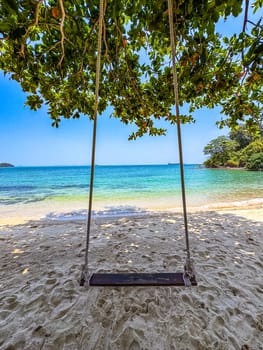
(86, 45)
(61, 28)
(104, 35)
(35, 23)
(105, 42)
(245, 21)
(245, 16)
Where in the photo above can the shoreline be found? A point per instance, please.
(65, 211)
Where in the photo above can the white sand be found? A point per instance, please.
(43, 307)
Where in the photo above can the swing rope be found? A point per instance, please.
(189, 270)
(188, 278)
(85, 273)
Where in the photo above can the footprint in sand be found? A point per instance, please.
(259, 322)
(134, 346)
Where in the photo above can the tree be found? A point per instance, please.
(255, 162)
(240, 148)
(220, 150)
(241, 135)
(50, 48)
(250, 152)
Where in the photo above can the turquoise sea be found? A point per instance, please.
(138, 186)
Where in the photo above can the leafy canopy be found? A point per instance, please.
(50, 48)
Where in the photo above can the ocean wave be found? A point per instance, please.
(107, 212)
(8, 201)
(73, 215)
(241, 204)
(21, 200)
(17, 188)
(70, 186)
(36, 199)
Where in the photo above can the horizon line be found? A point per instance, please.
(87, 165)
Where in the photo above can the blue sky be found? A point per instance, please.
(27, 138)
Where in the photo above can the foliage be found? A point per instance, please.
(220, 150)
(253, 148)
(242, 135)
(50, 48)
(255, 162)
(232, 163)
(233, 150)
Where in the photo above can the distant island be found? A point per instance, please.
(6, 165)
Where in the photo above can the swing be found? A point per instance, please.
(185, 278)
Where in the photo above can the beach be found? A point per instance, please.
(43, 306)
(137, 226)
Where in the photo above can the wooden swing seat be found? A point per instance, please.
(139, 279)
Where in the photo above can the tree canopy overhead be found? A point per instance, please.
(50, 48)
